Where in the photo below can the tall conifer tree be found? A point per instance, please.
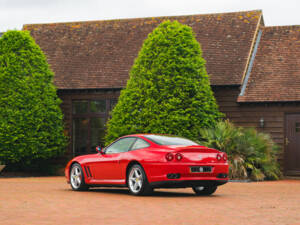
(169, 90)
(31, 125)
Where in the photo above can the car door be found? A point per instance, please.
(109, 166)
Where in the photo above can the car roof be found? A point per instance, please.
(143, 135)
(137, 135)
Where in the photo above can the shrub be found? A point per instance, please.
(169, 90)
(31, 124)
(251, 154)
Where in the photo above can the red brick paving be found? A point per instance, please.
(50, 201)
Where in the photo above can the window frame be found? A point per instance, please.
(89, 115)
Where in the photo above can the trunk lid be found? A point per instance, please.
(196, 153)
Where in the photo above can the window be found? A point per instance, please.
(297, 127)
(119, 146)
(140, 143)
(93, 106)
(80, 135)
(98, 106)
(80, 107)
(113, 103)
(169, 140)
(88, 124)
(97, 132)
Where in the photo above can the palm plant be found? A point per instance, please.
(251, 154)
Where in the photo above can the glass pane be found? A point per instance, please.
(98, 106)
(80, 107)
(297, 127)
(169, 140)
(80, 135)
(121, 145)
(140, 144)
(97, 132)
(113, 103)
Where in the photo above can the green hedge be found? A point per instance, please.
(31, 126)
(169, 90)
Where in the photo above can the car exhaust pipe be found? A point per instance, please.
(173, 175)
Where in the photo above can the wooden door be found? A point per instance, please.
(292, 144)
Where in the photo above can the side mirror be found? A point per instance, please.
(99, 149)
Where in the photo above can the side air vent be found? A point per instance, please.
(88, 171)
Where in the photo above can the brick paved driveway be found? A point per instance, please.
(50, 201)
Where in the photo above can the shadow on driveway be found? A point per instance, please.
(156, 193)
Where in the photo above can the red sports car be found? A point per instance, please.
(143, 162)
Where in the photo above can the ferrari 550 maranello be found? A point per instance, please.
(143, 162)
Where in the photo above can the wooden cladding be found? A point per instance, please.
(241, 114)
(250, 114)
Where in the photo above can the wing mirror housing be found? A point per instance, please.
(99, 149)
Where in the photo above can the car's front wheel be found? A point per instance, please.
(77, 178)
(137, 181)
(204, 190)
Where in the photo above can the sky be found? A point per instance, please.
(15, 13)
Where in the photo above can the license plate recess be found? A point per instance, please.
(201, 169)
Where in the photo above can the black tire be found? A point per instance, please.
(205, 190)
(141, 181)
(77, 178)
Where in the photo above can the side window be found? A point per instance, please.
(121, 145)
(140, 143)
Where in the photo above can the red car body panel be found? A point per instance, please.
(111, 169)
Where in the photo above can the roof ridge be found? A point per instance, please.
(141, 18)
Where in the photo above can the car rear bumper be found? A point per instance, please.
(180, 174)
(186, 183)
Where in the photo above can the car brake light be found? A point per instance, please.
(178, 157)
(225, 157)
(219, 157)
(169, 157)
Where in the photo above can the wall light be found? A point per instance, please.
(262, 122)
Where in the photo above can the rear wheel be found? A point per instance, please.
(137, 181)
(77, 178)
(205, 190)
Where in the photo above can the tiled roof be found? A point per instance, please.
(276, 70)
(99, 54)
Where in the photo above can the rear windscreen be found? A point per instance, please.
(169, 140)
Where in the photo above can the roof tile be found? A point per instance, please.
(99, 54)
(275, 75)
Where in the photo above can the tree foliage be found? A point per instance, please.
(169, 90)
(31, 124)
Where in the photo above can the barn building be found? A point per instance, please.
(254, 72)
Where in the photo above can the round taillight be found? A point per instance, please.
(169, 157)
(225, 157)
(178, 157)
(219, 157)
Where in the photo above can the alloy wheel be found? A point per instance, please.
(135, 180)
(76, 177)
